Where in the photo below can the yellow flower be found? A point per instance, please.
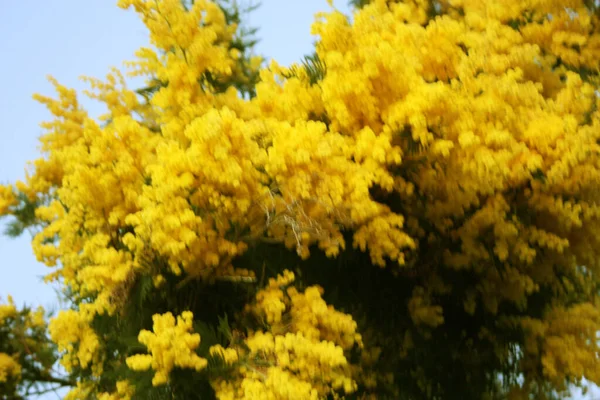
(170, 345)
(7, 199)
(9, 368)
(125, 391)
(7, 310)
(463, 143)
(301, 357)
(82, 391)
(72, 332)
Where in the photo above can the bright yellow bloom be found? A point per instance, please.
(170, 345)
(461, 145)
(7, 310)
(7, 199)
(9, 368)
(72, 332)
(125, 391)
(302, 355)
(82, 391)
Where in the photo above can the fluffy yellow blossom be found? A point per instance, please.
(456, 140)
(7, 198)
(7, 310)
(25, 349)
(72, 332)
(36, 319)
(81, 391)
(270, 300)
(125, 391)
(302, 355)
(9, 368)
(561, 340)
(170, 345)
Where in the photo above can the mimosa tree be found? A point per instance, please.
(412, 212)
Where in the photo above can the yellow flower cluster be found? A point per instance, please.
(301, 355)
(195, 41)
(7, 310)
(565, 30)
(170, 345)
(486, 115)
(82, 391)
(90, 211)
(9, 368)
(125, 391)
(7, 199)
(99, 172)
(220, 167)
(467, 141)
(270, 300)
(72, 332)
(562, 341)
(24, 347)
(86, 390)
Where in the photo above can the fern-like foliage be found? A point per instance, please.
(23, 216)
(314, 67)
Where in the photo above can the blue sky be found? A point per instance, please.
(70, 38)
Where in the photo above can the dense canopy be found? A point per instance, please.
(412, 212)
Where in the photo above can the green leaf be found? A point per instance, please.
(224, 328)
(539, 175)
(314, 67)
(23, 214)
(208, 337)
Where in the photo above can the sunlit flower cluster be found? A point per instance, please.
(7, 310)
(7, 199)
(72, 332)
(25, 349)
(170, 345)
(9, 367)
(301, 354)
(124, 391)
(444, 138)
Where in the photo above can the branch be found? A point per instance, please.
(49, 379)
(41, 392)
